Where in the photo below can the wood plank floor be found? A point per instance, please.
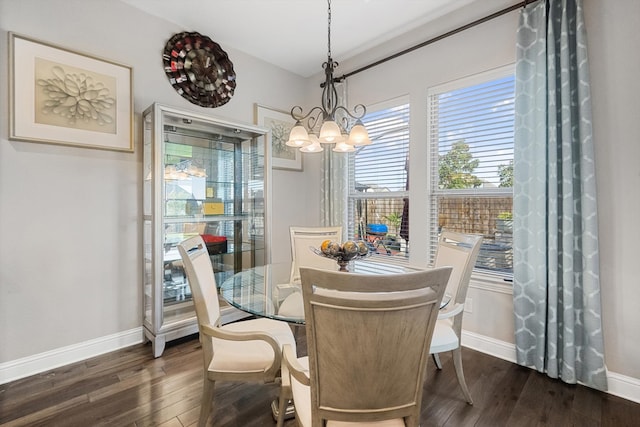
(131, 388)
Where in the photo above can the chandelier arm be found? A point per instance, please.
(312, 118)
(359, 111)
(298, 115)
(313, 121)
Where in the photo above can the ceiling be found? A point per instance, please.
(293, 33)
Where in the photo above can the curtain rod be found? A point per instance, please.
(437, 38)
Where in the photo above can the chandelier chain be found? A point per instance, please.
(329, 29)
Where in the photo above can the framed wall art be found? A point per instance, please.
(279, 124)
(58, 96)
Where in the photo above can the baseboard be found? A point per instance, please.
(624, 386)
(31, 365)
(484, 344)
(619, 385)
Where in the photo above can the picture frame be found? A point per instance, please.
(279, 124)
(58, 96)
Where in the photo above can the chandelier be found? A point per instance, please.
(184, 169)
(339, 125)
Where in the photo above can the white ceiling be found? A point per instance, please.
(293, 33)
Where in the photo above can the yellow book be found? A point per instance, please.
(213, 208)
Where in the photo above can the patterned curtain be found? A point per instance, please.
(334, 188)
(558, 326)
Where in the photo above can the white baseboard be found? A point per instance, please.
(619, 385)
(484, 344)
(31, 365)
(624, 386)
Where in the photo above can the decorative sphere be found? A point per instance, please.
(349, 250)
(324, 247)
(363, 249)
(334, 249)
(350, 247)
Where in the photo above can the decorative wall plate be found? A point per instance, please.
(199, 70)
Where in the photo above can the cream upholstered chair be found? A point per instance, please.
(368, 339)
(459, 251)
(291, 306)
(249, 350)
(301, 255)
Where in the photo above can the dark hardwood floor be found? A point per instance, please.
(131, 388)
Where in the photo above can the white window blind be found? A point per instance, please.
(378, 175)
(471, 124)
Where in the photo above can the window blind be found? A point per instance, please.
(471, 127)
(378, 175)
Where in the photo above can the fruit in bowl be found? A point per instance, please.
(324, 247)
(335, 249)
(349, 249)
(342, 252)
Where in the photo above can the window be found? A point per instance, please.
(378, 196)
(470, 131)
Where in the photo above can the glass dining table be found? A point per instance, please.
(265, 291)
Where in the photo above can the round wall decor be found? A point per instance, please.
(199, 70)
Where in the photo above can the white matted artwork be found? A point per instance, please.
(279, 124)
(58, 96)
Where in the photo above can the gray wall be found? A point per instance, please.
(613, 37)
(70, 234)
(70, 218)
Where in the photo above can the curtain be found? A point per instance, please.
(334, 189)
(556, 294)
(334, 181)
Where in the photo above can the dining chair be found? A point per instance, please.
(301, 256)
(367, 344)
(302, 238)
(248, 350)
(459, 251)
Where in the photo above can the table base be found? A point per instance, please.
(289, 411)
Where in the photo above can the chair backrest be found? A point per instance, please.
(461, 252)
(301, 255)
(199, 271)
(368, 339)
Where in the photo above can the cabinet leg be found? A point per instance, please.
(157, 346)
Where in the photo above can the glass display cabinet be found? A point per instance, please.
(201, 176)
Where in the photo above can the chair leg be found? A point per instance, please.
(206, 402)
(412, 421)
(286, 394)
(283, 404)
(436, 360)
(297, 330)
(457, 363)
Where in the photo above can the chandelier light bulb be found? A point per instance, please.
(314, 147)
(298, 137)
(359, 135)
(343, 147)
(330, 133)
